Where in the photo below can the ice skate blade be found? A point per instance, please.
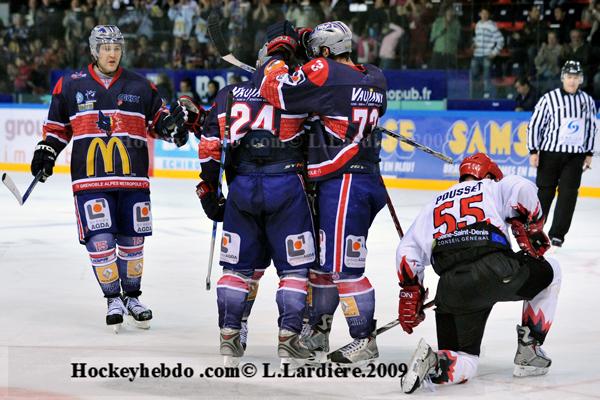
(292, 363)
(522, 371)
(231, 362)
(317, 358)
(411, 381)
(116, 328)
(138, 324)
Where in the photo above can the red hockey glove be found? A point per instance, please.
(213, 206)
(195, 114)
(303, 51)
(410, 308)
(282, 38)
(528, 230)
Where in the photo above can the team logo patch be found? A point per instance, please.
(142, 217)
(356, 252)
(79, 97)
(300, 248)
(97, 214)
(127, 98)
(230, 247)
(253, 291)
(105, 123)
(349, 307)
(78, 75)
(322, 247)
(108, 273)
(135, 268)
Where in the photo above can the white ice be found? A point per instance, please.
(52, 311)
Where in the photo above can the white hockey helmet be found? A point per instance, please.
(104, 34)
(335, 35)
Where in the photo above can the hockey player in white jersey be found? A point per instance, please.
(463, 234)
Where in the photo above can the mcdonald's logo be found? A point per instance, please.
(107, 151)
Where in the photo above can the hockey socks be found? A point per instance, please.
(232, 292)
(357, 297)
(103, 256)
(130, 259)
(291, 301)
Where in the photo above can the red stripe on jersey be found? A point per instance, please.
(134, 125)
(294, 284)
(538, 320)
(321, 279)
(97, 78)
(131, 250)
(340, 222)
(123, 183)
(317, 71)
(317, 171)
(234, 282)
(63, 132)
(79, 225)
(290, 127)
(354, 288)
(95, 256)
(338, 126)
(58, 87)
(258, 273)
(406, 276)
(209, 148)
(222, 126)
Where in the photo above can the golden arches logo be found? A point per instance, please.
(107, 151)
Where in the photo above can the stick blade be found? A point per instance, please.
(214, 31)
(10, 185)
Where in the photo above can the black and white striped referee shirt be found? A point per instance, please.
(563, 122)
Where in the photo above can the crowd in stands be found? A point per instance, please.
(499, 43)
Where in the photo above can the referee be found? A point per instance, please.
(560, 138)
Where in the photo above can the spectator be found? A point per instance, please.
(445, 34)
(23, 78)
(164, 88)
(177, 53)
(182, 14)
(143, 56)
(419, 32)
(525, 43)
(387, 53)
(378, 18)
(578, 50)
(488, 42)
(307, 13)
(73, 18)
(366, 51)
(102, 10)
(136, 21)
(162, 59)
(547, 63)
(18, 31)
(211, 93)
(562, 24)
(527, 96)
(187, 89)
(193, 55)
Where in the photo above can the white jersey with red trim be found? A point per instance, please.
(346, 102)
(463, 204)
(109, 125)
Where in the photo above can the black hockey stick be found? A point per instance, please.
(10, 185)
(226, 135)
(392, 210)
(214, 31)
(419, 146)
(386, 327)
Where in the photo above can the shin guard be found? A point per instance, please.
(357, 297)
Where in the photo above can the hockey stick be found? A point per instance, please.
(392, 210)
(419, 146)
(214, 31)
(386, 327)
(10, 185)
(226, 134)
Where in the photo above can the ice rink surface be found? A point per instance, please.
(53, 312)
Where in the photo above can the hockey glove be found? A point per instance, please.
(282, 38)
(303, 52)
(195, 114)
(180, 137)
(410, 307)
(528, 230)
(44, 158)
(213, 206)
(167, 124)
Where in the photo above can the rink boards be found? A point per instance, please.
(502, 135)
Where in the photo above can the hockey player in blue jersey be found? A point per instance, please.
(109, 114)
(266, 216)
(345, 101)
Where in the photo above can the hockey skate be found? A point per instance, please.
(359, 352)
(244, 334)
(231, 347)
(316, 339)
(139, 313)
(291, 350)
(530, 359)
(114, 315)
(424, 361)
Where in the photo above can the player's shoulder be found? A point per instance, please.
(137, 79)
(69, 79)
(509, 182)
